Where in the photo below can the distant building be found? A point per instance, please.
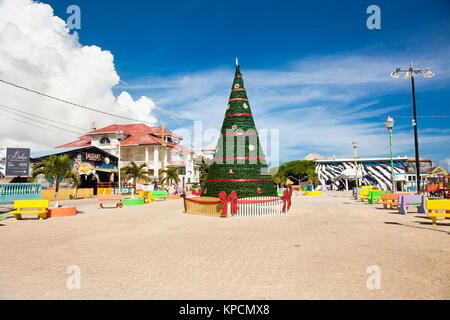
(208, 152)
(314, 156)
(371, 171)
(141, 144)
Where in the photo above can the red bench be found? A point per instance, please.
(110, 199)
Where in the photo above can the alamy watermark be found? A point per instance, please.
(374, 280)
(374, 20)
(74, 280)
(74, 20)
(236, 145)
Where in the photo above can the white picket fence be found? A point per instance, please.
(258, 209)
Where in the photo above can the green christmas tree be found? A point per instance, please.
(239, 162)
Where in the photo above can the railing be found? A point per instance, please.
(20, 191)
(259, 209)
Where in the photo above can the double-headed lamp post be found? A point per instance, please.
(409, 73)
(355, 144)
(389, 122)
(119, 136)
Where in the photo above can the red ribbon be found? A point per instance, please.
(232, 199)
(287, 200)
(223, 198)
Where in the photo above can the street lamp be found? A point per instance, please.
(334, 170)
(119, 136)
(389, 122)
(409, 73)
(355, 144)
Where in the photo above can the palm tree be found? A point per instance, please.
(132, 170)
(313, 177)
(56, 169)
(171, 175)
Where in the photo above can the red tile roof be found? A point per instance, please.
(137, 134)
(134, 128)
(84, 141)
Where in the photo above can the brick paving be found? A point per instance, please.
(319, 250)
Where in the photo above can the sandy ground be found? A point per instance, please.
(320, 250)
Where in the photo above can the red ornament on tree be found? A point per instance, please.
(231, 171)
(258, 190)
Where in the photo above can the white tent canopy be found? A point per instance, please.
(349, 174)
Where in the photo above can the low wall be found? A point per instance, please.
(204, 209)
(66, 194)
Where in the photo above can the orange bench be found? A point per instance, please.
(391, 199)
(110, 199)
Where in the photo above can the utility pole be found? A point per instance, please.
(162, 155)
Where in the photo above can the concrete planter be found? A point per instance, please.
(61, 212)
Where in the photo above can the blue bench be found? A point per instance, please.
(407, 201)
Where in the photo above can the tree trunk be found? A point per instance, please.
(56, 192)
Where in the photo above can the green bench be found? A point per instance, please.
(375, 196)
(160, 195)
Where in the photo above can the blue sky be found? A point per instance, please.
(312, 68)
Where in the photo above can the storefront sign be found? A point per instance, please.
(17, 161)
(93, 157)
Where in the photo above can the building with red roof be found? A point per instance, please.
(141, 144)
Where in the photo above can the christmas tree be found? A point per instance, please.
(239, 162)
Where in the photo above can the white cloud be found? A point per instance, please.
(37, 51)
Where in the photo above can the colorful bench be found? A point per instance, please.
(391, 199)
(115, 199)
(406, 201)
(39, 207)
(313, 193)
(356, 193)
(363, 194)
(375, 196)
(160, 195)
(438, 205)
(367, 187)
(146, 195)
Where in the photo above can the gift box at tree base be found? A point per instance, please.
(238, 182)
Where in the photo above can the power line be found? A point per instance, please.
(75, 104)
(47, 124)
(47, 119)
(34, 125)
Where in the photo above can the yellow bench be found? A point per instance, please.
(146, 194)
(39, 207)
(438, 205)
(367, 187)
(313, 193)
(364, 194)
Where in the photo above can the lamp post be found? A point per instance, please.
(119, 136)
(409, 73)
(355, 144)
(389, 122)
(334, 170)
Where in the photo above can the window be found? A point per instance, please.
(105, 140)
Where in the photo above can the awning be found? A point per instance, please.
(105, 170)
(348, 174)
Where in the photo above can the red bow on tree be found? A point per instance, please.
(287, 200)
(232, 199)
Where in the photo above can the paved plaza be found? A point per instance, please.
(320, 250)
